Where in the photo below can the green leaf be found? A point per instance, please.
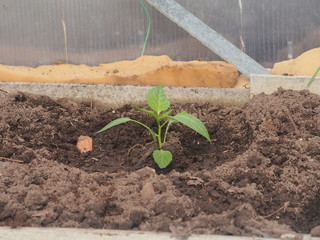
(115, 123)
(194, 123)
(164, 115)
(124, 120)
(157, 99)
(162, 158)
(147, 111)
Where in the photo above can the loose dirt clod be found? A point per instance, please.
(147, 191)
(259, 177)
(84, 144)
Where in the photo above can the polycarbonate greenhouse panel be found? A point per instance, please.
(36, 32)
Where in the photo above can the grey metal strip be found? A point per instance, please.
(208, 37)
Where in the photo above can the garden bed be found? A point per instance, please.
(259, 177)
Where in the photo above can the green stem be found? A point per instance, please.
(165, 123)
(167, 128)
(159, 134)
(313, 77)
(149, 26)
(168, 123)
(153, 134)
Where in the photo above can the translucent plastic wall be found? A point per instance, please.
(35, 32)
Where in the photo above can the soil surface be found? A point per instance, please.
(259, 177)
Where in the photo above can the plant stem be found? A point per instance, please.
(313, 77)
(159, 134)
(149, 26)
(153, 134)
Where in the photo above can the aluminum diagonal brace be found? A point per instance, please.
(208, 37)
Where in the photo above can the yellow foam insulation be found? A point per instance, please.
(146, 70)
(155, 70)
(304, 65)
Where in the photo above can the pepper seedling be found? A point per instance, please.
(159, 104)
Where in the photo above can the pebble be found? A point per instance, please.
(147, 191)
(315, 232)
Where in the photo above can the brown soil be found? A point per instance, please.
(259, 177)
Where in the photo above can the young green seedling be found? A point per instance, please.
(159, 104)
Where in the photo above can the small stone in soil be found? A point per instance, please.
(147, 191)
(315, 232)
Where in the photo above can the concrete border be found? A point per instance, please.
(112, 96)
(270, 83)
(29, 233)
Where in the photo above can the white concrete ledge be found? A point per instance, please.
(28, 233)
(270, 83)
(7, 233)
(117, 96)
